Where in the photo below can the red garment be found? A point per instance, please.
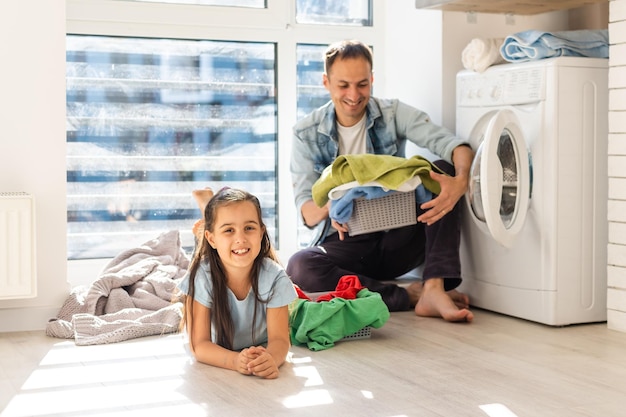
(301, 293)
(347, 288)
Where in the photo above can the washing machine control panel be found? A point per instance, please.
(496, 88)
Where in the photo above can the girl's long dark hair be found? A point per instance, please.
(221, 317)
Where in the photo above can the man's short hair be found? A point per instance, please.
(346, 49)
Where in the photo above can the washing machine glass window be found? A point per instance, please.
(499, 190)
(510, 184)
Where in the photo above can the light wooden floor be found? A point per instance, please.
(496, 366)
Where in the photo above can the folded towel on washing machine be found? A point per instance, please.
(534, 45)
(482, 53)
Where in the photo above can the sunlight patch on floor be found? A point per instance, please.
(367, 394)
(105, 373)
(313, 378)
(67, 353)
(186, 410)
(86, 401)
(497, 410)
(113, 379)
(308, 398)
(296, 361)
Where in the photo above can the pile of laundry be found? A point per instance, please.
(531, 45)
(332, 316)
(372, 176)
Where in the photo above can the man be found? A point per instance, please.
(353, 122)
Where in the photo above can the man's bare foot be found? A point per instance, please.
(460, 300)
(202, 197)
(435, 302)
(415, 291)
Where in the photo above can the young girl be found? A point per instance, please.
(236, 294)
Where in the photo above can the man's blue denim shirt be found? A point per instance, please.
(390, 123)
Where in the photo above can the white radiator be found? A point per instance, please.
(18, 272)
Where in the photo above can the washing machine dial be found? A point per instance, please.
(496, 92)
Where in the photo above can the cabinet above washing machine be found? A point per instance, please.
(525, 7)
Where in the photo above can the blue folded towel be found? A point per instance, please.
(533, 45)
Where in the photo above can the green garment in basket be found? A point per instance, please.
(389, 171)
(320, 324)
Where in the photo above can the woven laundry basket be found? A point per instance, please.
(389, 212)
(364, 333)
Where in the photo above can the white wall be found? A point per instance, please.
(414, 59)
(32, 144)
(616, 296)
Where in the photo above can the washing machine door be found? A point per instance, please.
(499, 191)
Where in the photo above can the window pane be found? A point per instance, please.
(258, 4)
(311, 91)
(334, 12)
(149, 120)
(311, 95)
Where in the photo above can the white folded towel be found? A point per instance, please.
(482, 53)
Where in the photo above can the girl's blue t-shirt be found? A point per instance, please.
(275, 287)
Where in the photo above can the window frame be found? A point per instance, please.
(275, 24)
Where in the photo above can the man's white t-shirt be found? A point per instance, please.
(352, 139)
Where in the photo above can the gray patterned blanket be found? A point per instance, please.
(132, 297)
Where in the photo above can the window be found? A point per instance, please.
(234, 3)
(165, 98)
(151, 120)
(311, 95)
(311, 92)
(334, 12)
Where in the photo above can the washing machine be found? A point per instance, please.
(534, 229)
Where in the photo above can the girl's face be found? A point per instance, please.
(236, 236)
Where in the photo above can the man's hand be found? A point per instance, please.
(452, 189)
(342, 228)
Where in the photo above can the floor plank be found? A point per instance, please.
(497, 366)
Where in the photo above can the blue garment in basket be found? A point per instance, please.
(533, 45)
